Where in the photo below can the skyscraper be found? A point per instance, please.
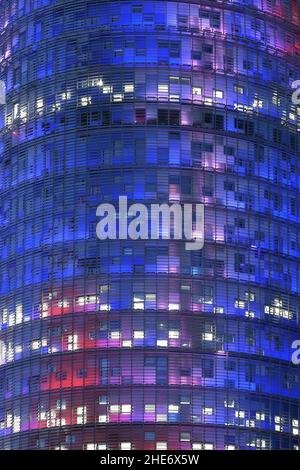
(123, 344)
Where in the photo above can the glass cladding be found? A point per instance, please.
(142, 344)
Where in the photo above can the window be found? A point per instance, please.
(125, 445)
(129, 88)
(239, 89)
(117, 97)
(185, 437)
(207, 336)
(114, 408)
(163, 88)
(103, 400)
(138, 301)
(207, 368)
(61, 404)
(161, 446)
(85, 100)
(202, 446)
(106, 89)
(196, 55)
(173, 408)
(72, 342)
(138, 335)
(150, 408)
(175, 80)
(218, 94)
(207, 48)
(103, 419)
(174, 334)
(174, 307)
(92, 446)
(81, 415)
(126, 408)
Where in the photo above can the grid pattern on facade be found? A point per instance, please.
(144, 345)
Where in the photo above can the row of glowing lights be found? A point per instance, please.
(9, 351)
(163, 90)
(139, 303)
(53, 417)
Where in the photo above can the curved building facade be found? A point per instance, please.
(142, 344)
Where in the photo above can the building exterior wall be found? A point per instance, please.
(143, 344)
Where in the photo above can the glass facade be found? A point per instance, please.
(142, 344)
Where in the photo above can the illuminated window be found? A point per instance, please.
(114, 408)
(207, 336)
(81, 415)
(106, 90)
(150, 408)
(103, 400)
(161, 446)
(250, 296)
(163, 88)
(126, 408)
(249, 314)
(115, 334)
(197, 91)
(218, 310)
(85, 100)
(117, 97)
(162, 343)
(257, 103)
(40, 105)
(185, 437)
(175, 80)
(174, 334)
(16, 110)
(279, 421)
(138, 301)
(173, 408)
(104, 307)
(276, 99)
(61, 404)
(208, 101)
(128, 88)
(72, 342)
(239, 89)
(174, 307)
(125, 445)
(92, 446)
(104, 288)
(202, 446)
(218, 94)
(295, 427)
(103, 419)
(66, 95)
(138, 335)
